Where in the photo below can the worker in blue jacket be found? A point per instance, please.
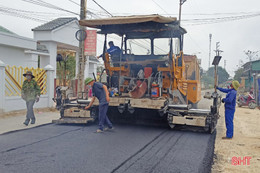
(114, 52)
(230, 107)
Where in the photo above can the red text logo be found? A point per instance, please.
(241, 161)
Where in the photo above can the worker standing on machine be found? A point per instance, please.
(114, 52)
(230, 107)
(100, 91)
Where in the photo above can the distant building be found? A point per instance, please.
(251, 69)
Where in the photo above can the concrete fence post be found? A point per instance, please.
(50, 84)
(2, 86)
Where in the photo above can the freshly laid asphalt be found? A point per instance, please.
(129, 148)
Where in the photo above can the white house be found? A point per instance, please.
(17, 50)
(59, 34)
(49, 38)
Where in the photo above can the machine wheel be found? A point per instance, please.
(169, 118)
(211, 124)
(252, 105)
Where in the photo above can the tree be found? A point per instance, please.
(207, 80)
(222, 74)
(238, 74)
(70, 69)
(208, 77)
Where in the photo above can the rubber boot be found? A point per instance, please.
(26, 122)
(33, 121)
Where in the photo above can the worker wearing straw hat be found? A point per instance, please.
(30, 93)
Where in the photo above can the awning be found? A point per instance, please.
(97, 23)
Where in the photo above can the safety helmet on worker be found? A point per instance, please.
(235, 84)
(88, 80)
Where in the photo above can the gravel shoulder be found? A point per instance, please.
(246, 142)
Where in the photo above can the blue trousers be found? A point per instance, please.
(229, 116)
(103, 119)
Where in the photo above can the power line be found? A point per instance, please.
(159, 6)
(219, 19)
(48, 5)
(15, 14)
(102, 8)
(74, 2)
(37, 13)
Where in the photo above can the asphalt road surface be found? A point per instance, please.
(129, 148)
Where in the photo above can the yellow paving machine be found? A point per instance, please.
(161, 79)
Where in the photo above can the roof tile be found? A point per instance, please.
(54, 24)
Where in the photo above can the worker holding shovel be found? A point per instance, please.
(100, 91)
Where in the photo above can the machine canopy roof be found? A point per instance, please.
(137, 26)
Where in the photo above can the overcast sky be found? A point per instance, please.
(235, 36)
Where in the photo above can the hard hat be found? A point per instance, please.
(88, 80)
(235, 84)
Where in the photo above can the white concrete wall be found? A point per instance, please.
(51, 60)
(16, 56)
(44, 60)
(17, 41)
(90, 68)
(63, 36)
(21, 105)
(2, 86)
(14, 103)
(66, 34)
(42, 35)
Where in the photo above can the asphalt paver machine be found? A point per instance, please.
(160, 80)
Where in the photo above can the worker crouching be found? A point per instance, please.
(230, 107)
(100, 91)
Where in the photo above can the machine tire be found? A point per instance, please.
(252, 105)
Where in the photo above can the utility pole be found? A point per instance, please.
(210, 37)
(82, 57)
(250, 54)
(218, 51)
(225, 63)
(181, 2)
